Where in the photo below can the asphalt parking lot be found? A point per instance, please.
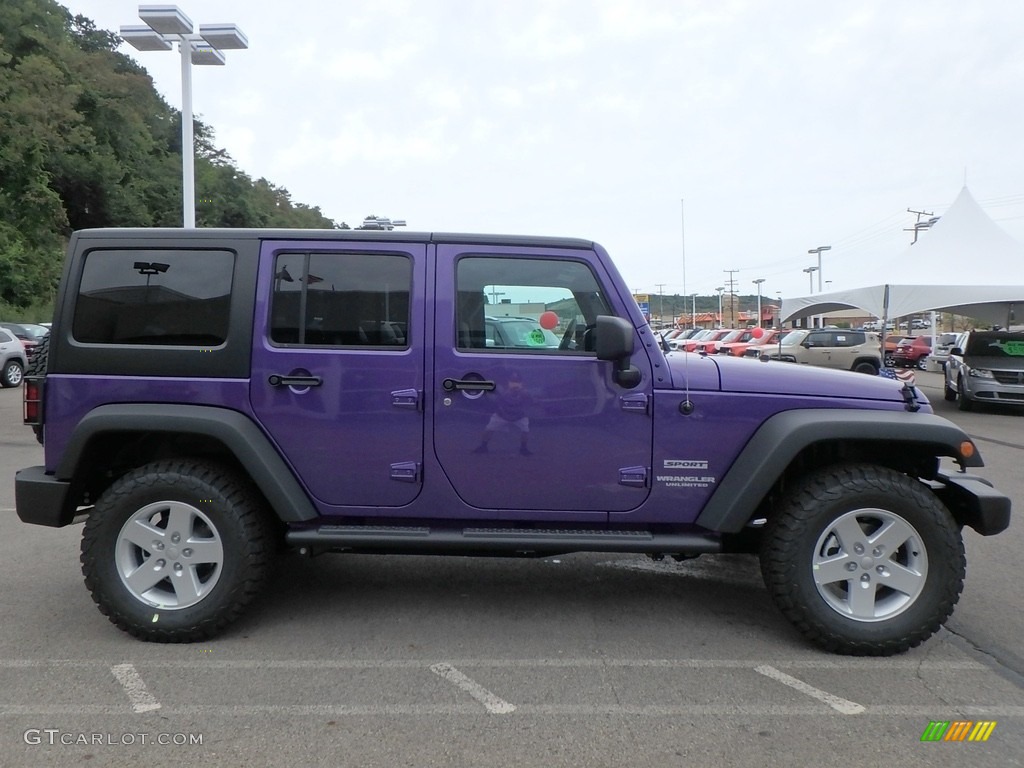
(598, 660)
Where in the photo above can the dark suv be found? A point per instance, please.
(207, 398)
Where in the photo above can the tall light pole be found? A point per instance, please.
(758, 282)
(721, 290)
(693, 311)
(810, 276)
(818, 251)
(165, 25)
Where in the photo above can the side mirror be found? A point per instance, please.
(614, 341)
(956, 351)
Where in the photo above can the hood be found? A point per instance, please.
(742, 374)
(995, 363)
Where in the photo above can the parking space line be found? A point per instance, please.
(989, 712)
(141, 699)
(839, 704)
(493, 704)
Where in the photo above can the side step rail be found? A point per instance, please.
(495, 541)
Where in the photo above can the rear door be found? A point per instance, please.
(338, 366)
(534, 430)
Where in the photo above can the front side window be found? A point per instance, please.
(341, 300)
(155, 296)
(527, 306)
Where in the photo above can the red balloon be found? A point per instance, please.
(757, 333)
(548, 320)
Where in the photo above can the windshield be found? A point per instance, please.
(995, 344)
(792, 338)
(527, 333)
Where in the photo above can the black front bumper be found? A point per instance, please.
(975, 503)
(42, 499)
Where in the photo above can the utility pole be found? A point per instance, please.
(661, 302)
(731, 282)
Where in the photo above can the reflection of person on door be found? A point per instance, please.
(509, 414)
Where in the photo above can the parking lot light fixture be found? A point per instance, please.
(165, 25)
(758, 282)
(818, 251)
(721, 290)
(810, 278)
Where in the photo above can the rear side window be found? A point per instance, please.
(341, 300)
(171, 297)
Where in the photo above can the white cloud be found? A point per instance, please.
(784, 125)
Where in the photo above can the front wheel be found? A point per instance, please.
(963, 401)
(863, 560)
(175, 550)
(12, 374)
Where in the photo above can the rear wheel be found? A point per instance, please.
(865, 366)
(864, 560)
(175, 550)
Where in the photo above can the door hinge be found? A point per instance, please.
(635, 477)
(406, 471)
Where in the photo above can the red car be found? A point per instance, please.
(698, 344)
(912, 351)
(739, 347)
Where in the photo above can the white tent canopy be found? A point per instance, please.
(978, 250)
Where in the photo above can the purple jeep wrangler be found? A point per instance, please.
(208, 397)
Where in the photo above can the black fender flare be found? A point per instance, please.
(237, 431)
(780, 438)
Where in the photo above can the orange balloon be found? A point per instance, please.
(548, 320)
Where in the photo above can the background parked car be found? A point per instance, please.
(913, 351)
(986, 366)
(891, 342)
(739, 348)
(694, 344)
(518, 332)
(12, 355)
(30, 334)
(940, 352)
(830, 348)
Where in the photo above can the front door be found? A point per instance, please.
(527, 421)
(338, 366)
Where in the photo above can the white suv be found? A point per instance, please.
(12, 353)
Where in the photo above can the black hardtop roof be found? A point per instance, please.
(215, 233)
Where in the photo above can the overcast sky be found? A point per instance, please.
(687, 137)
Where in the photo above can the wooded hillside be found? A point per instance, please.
(86, 141)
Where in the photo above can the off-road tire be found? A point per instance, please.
(37, 367)
(799, 547)
(214, 506)
(38, 362)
